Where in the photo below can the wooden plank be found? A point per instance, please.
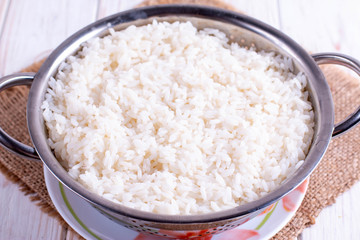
(4, 4)
(340, 221)
(72, 235)
(108, 7)
(21, 218)
(31, 30)
(321, 27)
(27, 37)
(266, 11)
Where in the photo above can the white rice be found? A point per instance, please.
(169, 119)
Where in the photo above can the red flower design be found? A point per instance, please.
(288, 201)
(268, 209)
(147, 237)
(302, 187)
(240, 234)
(198, 235)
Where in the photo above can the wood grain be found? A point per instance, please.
(35, 27)
(3, 12)
(323, 27)
(266, 11)
(31, 29)
(109, 7)
(21, 218)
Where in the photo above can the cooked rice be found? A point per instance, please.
(169, 119)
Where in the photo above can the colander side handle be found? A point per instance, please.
(353, 64)
(6, 140)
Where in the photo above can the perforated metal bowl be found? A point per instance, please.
(240, 28)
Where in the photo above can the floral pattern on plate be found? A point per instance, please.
(91, 224)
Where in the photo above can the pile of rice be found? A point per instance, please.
(170, 119)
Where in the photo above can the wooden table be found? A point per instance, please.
(29, 30)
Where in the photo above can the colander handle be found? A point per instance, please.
(353, 64)
(6, 140)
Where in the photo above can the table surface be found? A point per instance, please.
(29, 30)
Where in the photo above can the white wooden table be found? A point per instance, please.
(29, 30)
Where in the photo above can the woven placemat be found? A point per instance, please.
(337, 172)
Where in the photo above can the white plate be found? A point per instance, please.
(91, 224)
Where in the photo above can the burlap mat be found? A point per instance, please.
(337, 172)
